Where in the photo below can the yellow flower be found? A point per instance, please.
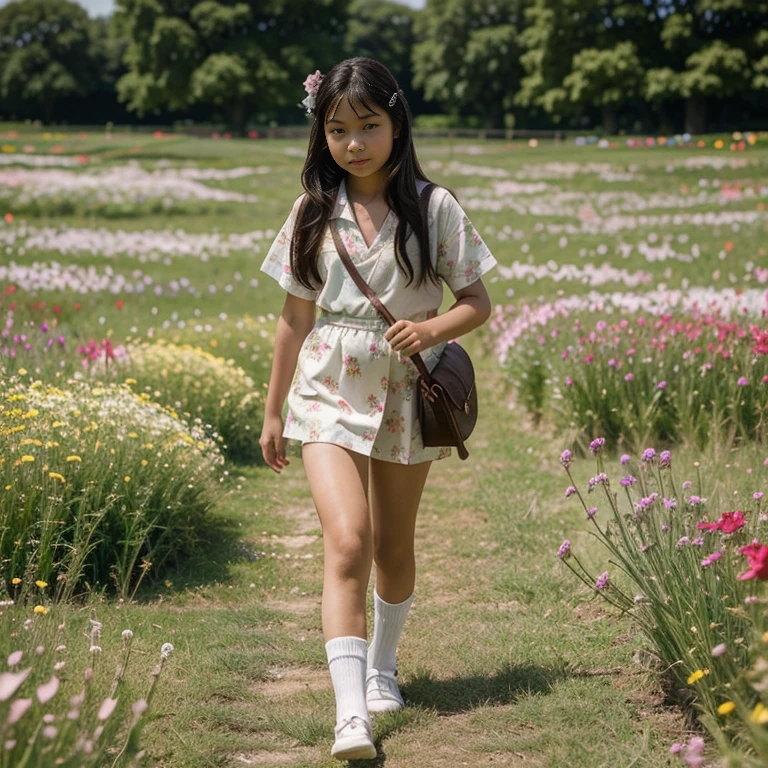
(144, 462)
(719, 144)
(726, 708)
(130, 381)
(765, 637)
(57, 476)
(22, 371)
(127, 479)
(41, 609)
(74, 458)
(15, 580)
(697, 675)
(42, 584)
(760, 714)
(27, 458)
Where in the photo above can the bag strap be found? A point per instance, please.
(366, 289)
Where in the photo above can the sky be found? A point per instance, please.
(104, 7)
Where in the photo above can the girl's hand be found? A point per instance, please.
(272, 443)
(408, 337)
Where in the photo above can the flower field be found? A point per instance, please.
(630, 326)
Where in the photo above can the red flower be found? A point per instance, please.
(761, 341)
(728, 523)
(757, 557)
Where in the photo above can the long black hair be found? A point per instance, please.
(370, 84)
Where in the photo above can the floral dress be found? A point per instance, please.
(350, 388)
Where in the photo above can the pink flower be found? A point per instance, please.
(312, 83)
(757, 556)
(10, 682)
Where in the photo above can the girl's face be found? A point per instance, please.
(359, 143)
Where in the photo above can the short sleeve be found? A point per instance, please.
(462, 256)
(277, 263)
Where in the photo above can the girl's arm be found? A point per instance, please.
(294, 324)
(471, 309)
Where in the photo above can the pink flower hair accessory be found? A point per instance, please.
(312, 86)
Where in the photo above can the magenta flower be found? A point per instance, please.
(568, 381)
(693, 500)
(600, 479)
(625, 459)
(627, 481)
(649, 454)
(592, 511)
(569, 491)
(711, 559)
(743, 381)
(676, 748)
(665, 460)
(596, 445)
(629, 377)
(757, 496)
(681, 542)
(564, 552)
(670, 503)
(603, 580)
(687, 484)
(662, 385)
(566, 457)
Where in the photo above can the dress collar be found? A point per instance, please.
(343, 208)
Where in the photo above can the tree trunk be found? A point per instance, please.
(610, 120)
(237, 118)
(696, 115)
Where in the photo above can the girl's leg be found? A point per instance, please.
(395, 494)
(338, 480)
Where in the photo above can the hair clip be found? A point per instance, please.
(312, 86)
(393, 99)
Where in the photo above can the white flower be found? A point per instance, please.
(166, 650)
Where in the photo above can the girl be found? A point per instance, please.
(352, 398)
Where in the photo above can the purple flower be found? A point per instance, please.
(566, 457)
(44, 327)
(694, 752)
(625, 459)
(565, 550)
(600, 479)
(596, 445)
(670, 503)
(569, 491)
(592, 511)
(698, 542)
(681, 542)
(665, 460)
(627, 481)
(719, 650)
(612, 362)
(757, 496)
(628, 377)
(687, 484)
(662, 385)
(649, 454)
(711, 559)
(568, 381)
(665, 528)
(676, 748)
(644, 503)
(602, 581)
(743, 381)
(693, 500)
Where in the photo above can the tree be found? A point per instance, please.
(581, 54)
(383, 30)
(605, 78)
(711, 49)
(246, 58)
(468, 59)
(44, 55)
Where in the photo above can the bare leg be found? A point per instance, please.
(395, 494)
(338, 480)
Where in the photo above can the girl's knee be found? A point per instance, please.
(349, 553)
(392, 555)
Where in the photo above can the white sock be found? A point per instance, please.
(346, 661)
(388, 621)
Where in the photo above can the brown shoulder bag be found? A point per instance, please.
(447, 397)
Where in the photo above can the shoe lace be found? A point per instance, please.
(351, 723)
(385, 682)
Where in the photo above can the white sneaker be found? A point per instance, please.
(381, 692)
(354, 740)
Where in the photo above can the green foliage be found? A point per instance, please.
(248, 59)
(43, 53)
(468, 58)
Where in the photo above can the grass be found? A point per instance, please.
(505, 659)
